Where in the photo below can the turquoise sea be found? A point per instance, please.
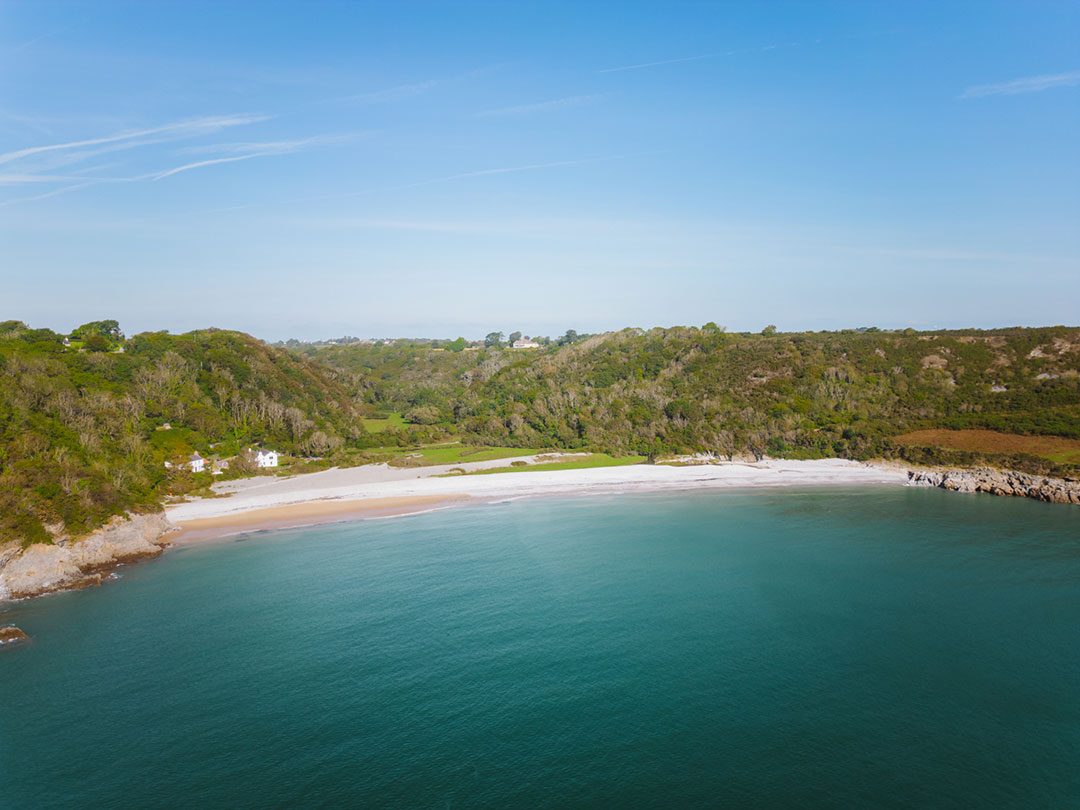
(855, 648)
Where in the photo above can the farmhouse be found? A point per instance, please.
(266, 458)
(197, 462)
(525, 343)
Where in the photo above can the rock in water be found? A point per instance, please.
(11, 634)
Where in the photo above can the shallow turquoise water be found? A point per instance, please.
(831, 648)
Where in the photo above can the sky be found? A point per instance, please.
(438, 169)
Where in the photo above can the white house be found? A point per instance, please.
(197, 462)
(266, 458)
(525, 343)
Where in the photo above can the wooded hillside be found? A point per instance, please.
(81, 432)
(86, 428)
(686, 389)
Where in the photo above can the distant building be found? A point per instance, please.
(219, 466)
(168, 465)
(266, 458)
(197, 462)
(525, 343)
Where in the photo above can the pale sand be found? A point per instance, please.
(307, 513)
(377, 490)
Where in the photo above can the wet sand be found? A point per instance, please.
(309, 513)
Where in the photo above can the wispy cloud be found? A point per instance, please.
(1029, 84)
(226, 153)
(18, 179)
(661, 62)
(404, 91)
(543, 106)
(200, 164)
(55, 192)
(268, 147)
(246, 152)
(180, 129)
(395, 93)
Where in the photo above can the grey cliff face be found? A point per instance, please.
(44, 568)
(999, 482)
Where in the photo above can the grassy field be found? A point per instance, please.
(1053, 448)
(459, 453)
(582, 463)
(394, 420)
(426, 455)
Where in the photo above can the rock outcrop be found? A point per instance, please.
(43, 568)
(10, 634)
(1000, 482)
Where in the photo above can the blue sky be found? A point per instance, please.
(435, 169)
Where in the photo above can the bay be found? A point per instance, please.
(812, 648)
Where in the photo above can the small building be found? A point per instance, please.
(525, 343)
(197, 462)
(219, 466)
(266, 458)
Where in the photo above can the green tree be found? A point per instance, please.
(107, 329)
(96, 343)
(422, 415)
(456, 345)
(493, 340)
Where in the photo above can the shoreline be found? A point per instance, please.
(360, 493)
(378, 492)
(307, 513)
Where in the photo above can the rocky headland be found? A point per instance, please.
(999, 482)
(80, 562)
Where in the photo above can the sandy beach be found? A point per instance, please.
(381, 491)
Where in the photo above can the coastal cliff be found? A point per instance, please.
(67, 563)
(1000, 482)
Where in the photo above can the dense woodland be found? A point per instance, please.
(81, 433)
(82, 425)
(685, 389)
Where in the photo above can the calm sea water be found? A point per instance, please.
(831, 648)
